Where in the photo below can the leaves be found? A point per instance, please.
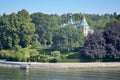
(67, 38)
(103, 45)
(16, 29)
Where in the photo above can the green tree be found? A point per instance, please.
(8, 31)
(77, 16)
(27, 28)
(67, 38)
(45, 26)
(16, 29)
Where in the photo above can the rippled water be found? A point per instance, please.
(70, 74)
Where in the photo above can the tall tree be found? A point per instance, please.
(27, 28)
(45, 26)
(16, 29)
(112, 36)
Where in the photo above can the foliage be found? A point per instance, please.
(40, 37)
(56, 56)
(73, 55)
(12, 55)
(16, 48)
(112, 36)
(38, 58)
(55, 60)
(16, 29)
(103, 45)
(94, 47)
(55, 53)
(67, 38)
(45, 26)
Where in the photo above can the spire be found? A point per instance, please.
(85, 27)
(84, 22)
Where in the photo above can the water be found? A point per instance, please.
(70, 74)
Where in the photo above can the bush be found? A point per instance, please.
(39, 58)
(55, 53)
(73, 55)
(4, 54)
(16, 48)
(63, 56)
(43, 58)
(55, 60)
(33, 51)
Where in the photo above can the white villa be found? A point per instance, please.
(83, 25)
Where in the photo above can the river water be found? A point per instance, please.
(67, 74)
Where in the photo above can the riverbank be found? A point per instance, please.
(35, 65)
(74, 65)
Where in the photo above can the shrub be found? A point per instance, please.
(16, 48)
(55, 53)
(55, 60)
(73, 55)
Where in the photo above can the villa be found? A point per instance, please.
(83, 25)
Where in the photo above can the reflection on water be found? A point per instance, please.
(70, 74)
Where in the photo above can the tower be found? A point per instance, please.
(85, 27)
(70, 21)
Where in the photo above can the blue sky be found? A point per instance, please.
(61, 6)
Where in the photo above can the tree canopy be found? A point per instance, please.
(45, 26)
(67, 38)
(16, 29)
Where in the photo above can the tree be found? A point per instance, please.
(94, 47)
(103, 45)
(64, 18)
(8, 31)
(67, 38)
(45, 26)
(27, 28)
(78, 16)
(112, 36)
(16, 29)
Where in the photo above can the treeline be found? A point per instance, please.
(22, 28)
(24, 36)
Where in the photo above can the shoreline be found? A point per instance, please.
(36, 65)
(74, 65)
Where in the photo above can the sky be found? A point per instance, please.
(61, 6)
